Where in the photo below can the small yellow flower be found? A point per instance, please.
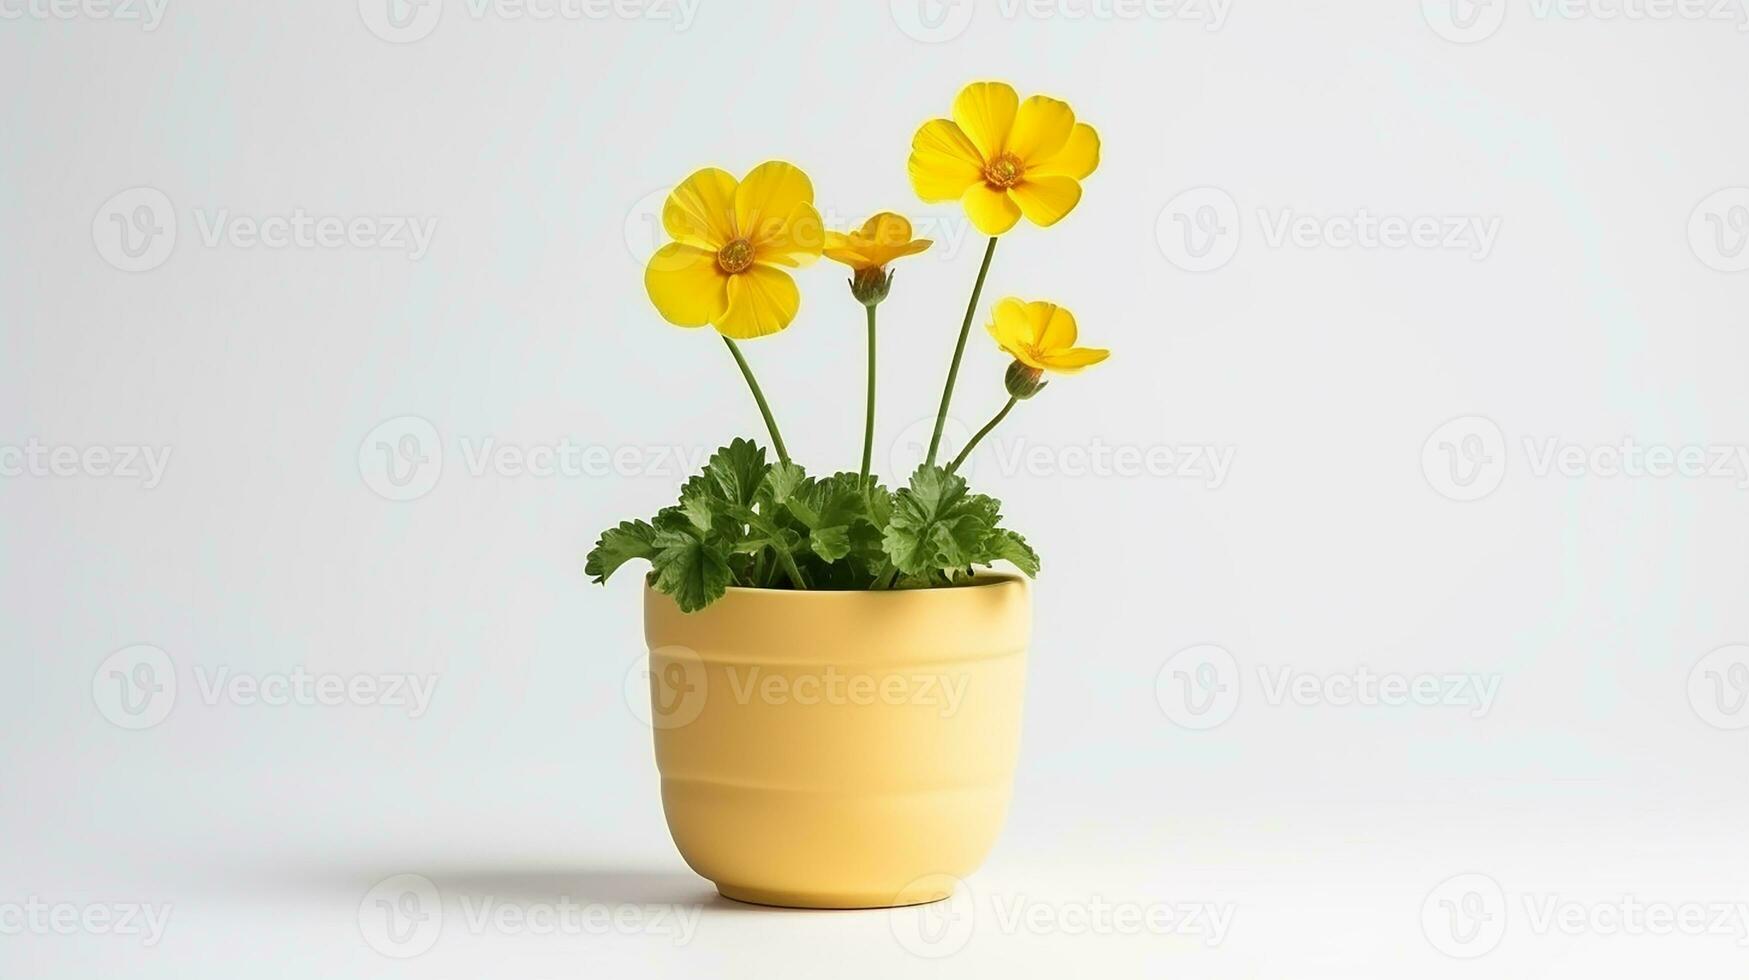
(880, 240)
(1042, 336)
(732, 241)
(1002, 158)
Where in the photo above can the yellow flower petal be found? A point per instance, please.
(1044, 200)
(1041, 128)
(1078, 157)
(767, 198)
(990, 209)
(795, 241)
(1072, 360)
(762, 301)
(1056, 329)
(686, 284)
(843, 248)
(985, 111)
(887, 229)
(701, 211)
(1011, 328)
(943, 161)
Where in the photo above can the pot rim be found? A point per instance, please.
(979, 579)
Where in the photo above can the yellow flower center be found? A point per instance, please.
(736, 256)
(1004, 172)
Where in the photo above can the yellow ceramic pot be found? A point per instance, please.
(839, 749)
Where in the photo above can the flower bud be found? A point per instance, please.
(870, 286)
(1023, 381)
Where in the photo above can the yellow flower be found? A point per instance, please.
(1042, 336)
(732, 242)
(880, 240)
(1002, 158)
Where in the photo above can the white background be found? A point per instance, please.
(1598, 775)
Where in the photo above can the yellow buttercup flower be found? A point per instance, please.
(732, 242)
(1042, 336)
(880, 240)
(1002, 158)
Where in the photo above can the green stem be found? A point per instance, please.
(982, 433)
(885, 579)
(959, 351)
(759, 396)
(868, 424)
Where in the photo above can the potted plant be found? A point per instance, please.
(836, 676)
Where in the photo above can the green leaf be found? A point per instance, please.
(830, 543)
(692, 569)
(1012, 548)
(631, 540)
(738, 470)
(783, 481)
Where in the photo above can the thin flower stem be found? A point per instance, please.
(759, 396)
(868, 425)
(993, 423)
(959, 352)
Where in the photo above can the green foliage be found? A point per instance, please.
(747, 522)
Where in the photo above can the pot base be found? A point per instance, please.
(829, 900)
